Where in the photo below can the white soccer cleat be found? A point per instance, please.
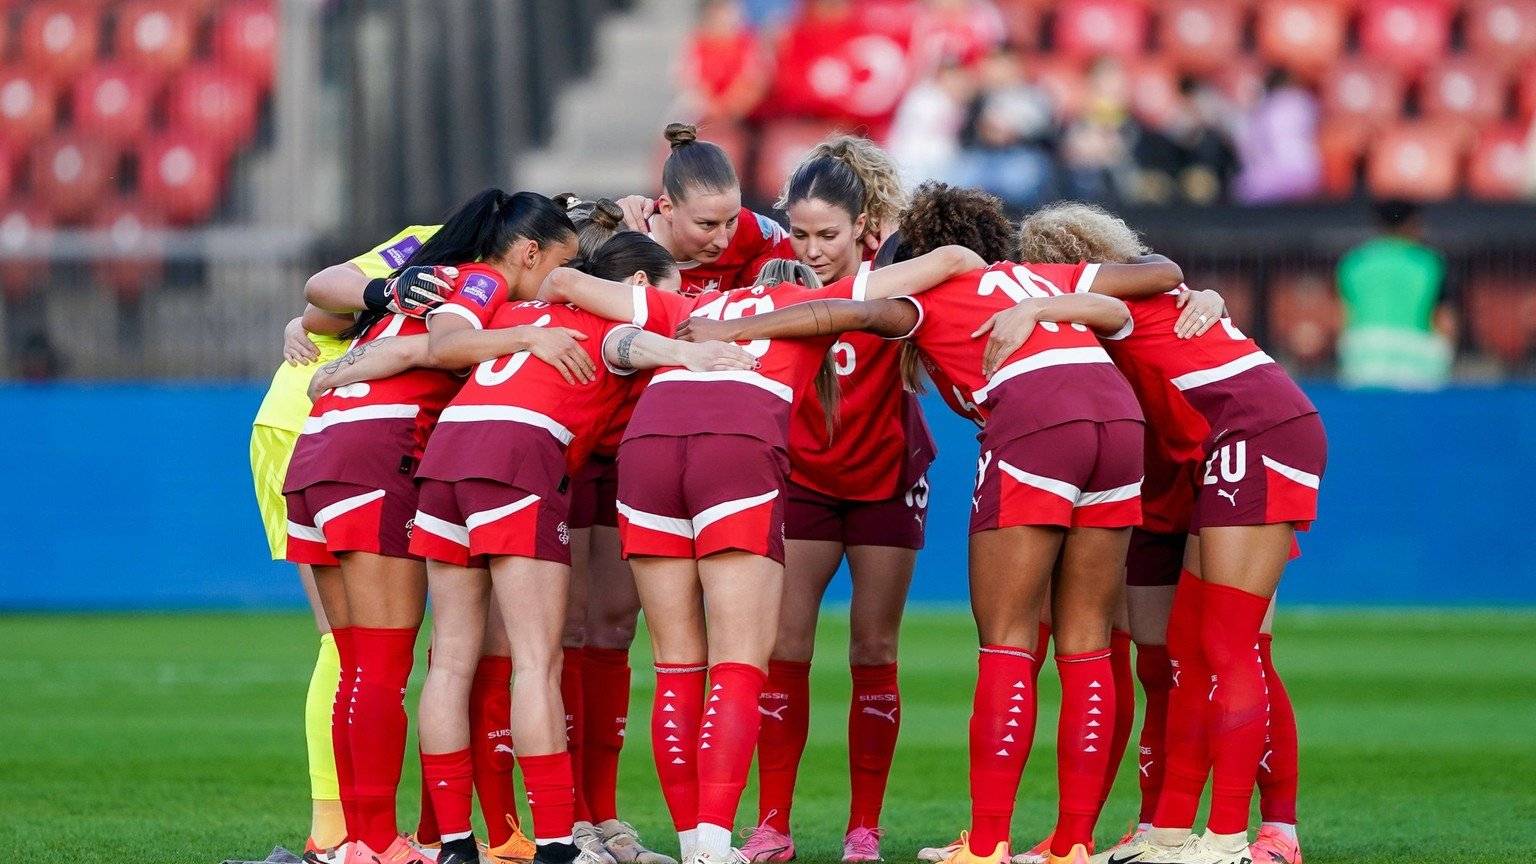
(1196, 849)
(935, 854)
(623, 843)
(584, 836)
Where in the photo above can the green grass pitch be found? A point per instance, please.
(160, 739)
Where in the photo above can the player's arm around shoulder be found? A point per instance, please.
(628, 348)
(1010, 328)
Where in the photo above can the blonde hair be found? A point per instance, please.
(1070, 232)
(853, 173)
(828, 392)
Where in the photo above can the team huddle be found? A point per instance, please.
(549, 415)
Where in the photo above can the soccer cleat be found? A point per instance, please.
(623, 843)
(1077, 855)
(518, 849)
(586, 838)
(462, 851)
(766, 843)
(964, 855)
(735, 856)
(861, 845)
(335, 855)
(428, 850)
(935, 854)
(1274, 847)
(1194, 850)
(403, 851)
(1037, 853)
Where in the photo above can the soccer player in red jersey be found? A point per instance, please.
(719, 244)
(702, 479)
(351, 496)
(858, 489)
(1058, 480)
(1264, 451)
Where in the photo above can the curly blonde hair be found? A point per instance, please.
(851, 172)
(1070, 232)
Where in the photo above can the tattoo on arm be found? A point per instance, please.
(623, 346)
(348, 358)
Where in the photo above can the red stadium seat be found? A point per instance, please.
(781, 148)
(28, 106)
(1154, 90)
(1363, 92)
(215, 104)
(1063, 81)
(1499, 166)
(1406, 34)
(181, 176)
(70, 173)
(1242, 80)
(1341, 143)
(113, 102)
(1502, 32)
(23, 229)
(1304, 316)
(1090, 28)
(1023, 20)
(1465, 89)
(137, 257)
(159, 35)
(1200, 35)
(1419, 161)
(7, 173)
(1304, 36)
(1503, 316)
(1525, 93)
(245, 39)
(60, 37)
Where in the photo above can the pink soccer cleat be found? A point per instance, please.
(768, 844)
(1274, 847)
(862, 845)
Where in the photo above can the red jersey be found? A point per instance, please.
(478, 293)
(758, 240)
(756, 403)
(1198, 391)
(519, 388)
(1058, 375)
(880, 444)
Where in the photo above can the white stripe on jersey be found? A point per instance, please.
(325, 421)
(665, 524)
(456, 534)
(710, 515)
(486, 517)
(1296, 474)
(509, 414)
(345, 506)
(305, 532)
(1059, 488)
(741, 376)
(1044, 360)
(1109, 496)
(1202, 377)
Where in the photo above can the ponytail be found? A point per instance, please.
(694, 165)
(850, 173)
(828, 392)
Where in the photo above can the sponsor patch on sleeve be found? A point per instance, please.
(479, 288)
(398, 253)
(773, 231)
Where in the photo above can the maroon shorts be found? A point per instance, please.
(691, 496)
(463, 520)
(594, 492)
(1154, 560)
(1082, 474)
(897, 521)
(330, 517)
(1268, 478)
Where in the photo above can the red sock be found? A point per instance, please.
(785, 710)
(490, 736)
(727, 738)
(1187, 760)
(1239, 712)
(605, 700)
(426, 822)
(575, 721)
(675, 717)
(1156, 679)
(1084, 735)
(1125, 707)
(341, 740)
(551, 794)
(384, 657)
(1001, 733)
(450, 784)
(874, 721)
(1278, 771)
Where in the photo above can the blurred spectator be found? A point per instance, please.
(1277, 145)
(1398, 329)
(1096, 149)
(724, 74)
(1190, 153)
(955, 30)
(1008, 134)
(838, 60)
(925, 137)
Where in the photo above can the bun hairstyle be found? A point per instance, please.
(694, 165)
(627, 253)
(1070, 232)
(944, 215)
(828, 391)
(483, 229)
(851, 173)
(595, 221)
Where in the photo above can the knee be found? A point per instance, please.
(1074, 635)
(612, 628)
(872, 650)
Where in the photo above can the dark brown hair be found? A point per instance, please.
(944, 215)
(694, 164)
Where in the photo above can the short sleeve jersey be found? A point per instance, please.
(286, 404)
(756, 403)
(758, 240)
(479, 292)
(1058, 375)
